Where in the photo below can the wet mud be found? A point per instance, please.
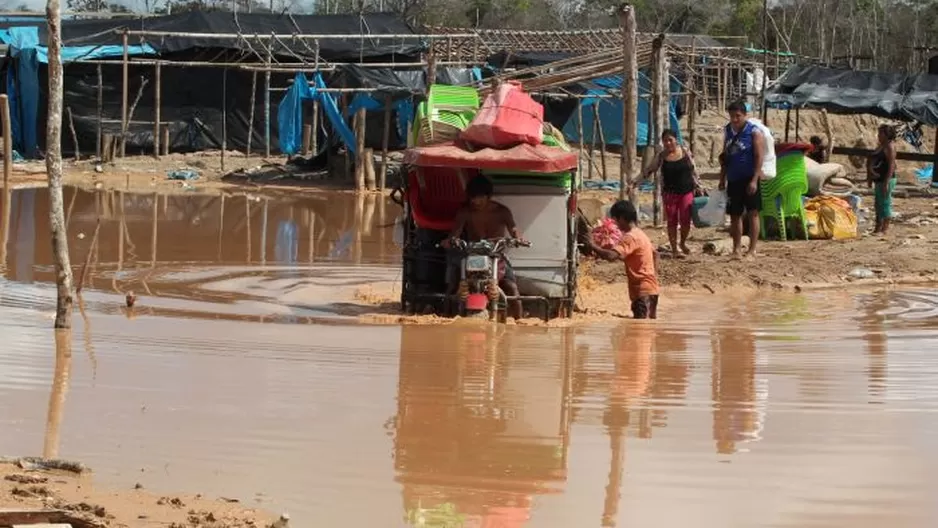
(780, 409)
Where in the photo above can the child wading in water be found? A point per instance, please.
(640, 257)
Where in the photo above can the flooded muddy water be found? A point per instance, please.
(234, 379)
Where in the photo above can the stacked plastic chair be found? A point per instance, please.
(447, 111)
(782, 195)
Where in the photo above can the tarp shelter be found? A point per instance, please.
(191, 96)
(381, 86)
(888, 95)
(610, 112)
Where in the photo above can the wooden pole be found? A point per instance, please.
(221, 226)
(660, 102)
(579, 127)
(60, 383)
(154, 229)
(157, 89)
(224, 117)
(164, 143)
(124, 90)
(934, 169)
(360, 149)
(385, 139)
(267, 107)
(691, 114)
(765, 60)
(60, 258)
(629, 101)
(99, 139)
(7, 142)
(5, 224)
(247, 151)
(602, 140)
(592, 151)
(787, 123)
(314, 137)
(71, 128)
(307, 137)
(797, 124)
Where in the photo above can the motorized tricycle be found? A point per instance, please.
(481, 265)
(538, 185)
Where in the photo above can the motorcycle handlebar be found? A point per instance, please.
(458, 243)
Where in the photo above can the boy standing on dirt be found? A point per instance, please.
(640, 257)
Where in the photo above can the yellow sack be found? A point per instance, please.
(830, 217)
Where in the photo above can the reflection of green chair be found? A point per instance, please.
(781, 196)
(447, 111)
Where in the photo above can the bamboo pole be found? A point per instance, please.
(99, 138)
(124, 88)
(385, 139)
(629, 101)
(692, 116)
(71, 128)
(157, 89)
(247, 151)
(7, 142)
(285, 36)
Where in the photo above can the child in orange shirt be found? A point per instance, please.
(640, 257)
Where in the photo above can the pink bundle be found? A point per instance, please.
(507, 117)
(607, 234)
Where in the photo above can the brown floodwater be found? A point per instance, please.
(237, 376)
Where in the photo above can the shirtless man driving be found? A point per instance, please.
(483, 218)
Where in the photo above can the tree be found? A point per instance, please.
(60, 260)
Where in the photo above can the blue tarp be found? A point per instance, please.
(23, 80)
(610, 112)
(290, 114)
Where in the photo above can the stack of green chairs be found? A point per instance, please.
(447, 111)
(782, 195)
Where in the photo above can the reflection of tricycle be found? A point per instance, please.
(480, 264)
(538, 185)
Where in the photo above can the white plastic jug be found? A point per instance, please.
(714, 212)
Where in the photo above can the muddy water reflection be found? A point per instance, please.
(813, 410)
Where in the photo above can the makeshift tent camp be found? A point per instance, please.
(191, 101)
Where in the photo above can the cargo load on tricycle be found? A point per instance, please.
(455, 262)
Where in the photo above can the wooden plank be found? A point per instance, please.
(904, 156)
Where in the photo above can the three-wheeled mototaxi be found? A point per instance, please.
(537, 183)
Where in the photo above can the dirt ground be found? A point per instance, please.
(24, 486)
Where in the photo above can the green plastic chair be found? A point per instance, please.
(782, 195)
(447, 111)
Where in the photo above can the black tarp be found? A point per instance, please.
(370, 46)
(882, 94)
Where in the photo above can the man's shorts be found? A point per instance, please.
(645, 307)
(738, 199)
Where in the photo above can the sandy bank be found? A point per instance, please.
(24, 486)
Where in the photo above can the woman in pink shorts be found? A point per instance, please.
(678, 183)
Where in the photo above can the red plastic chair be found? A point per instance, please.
(435, 194)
